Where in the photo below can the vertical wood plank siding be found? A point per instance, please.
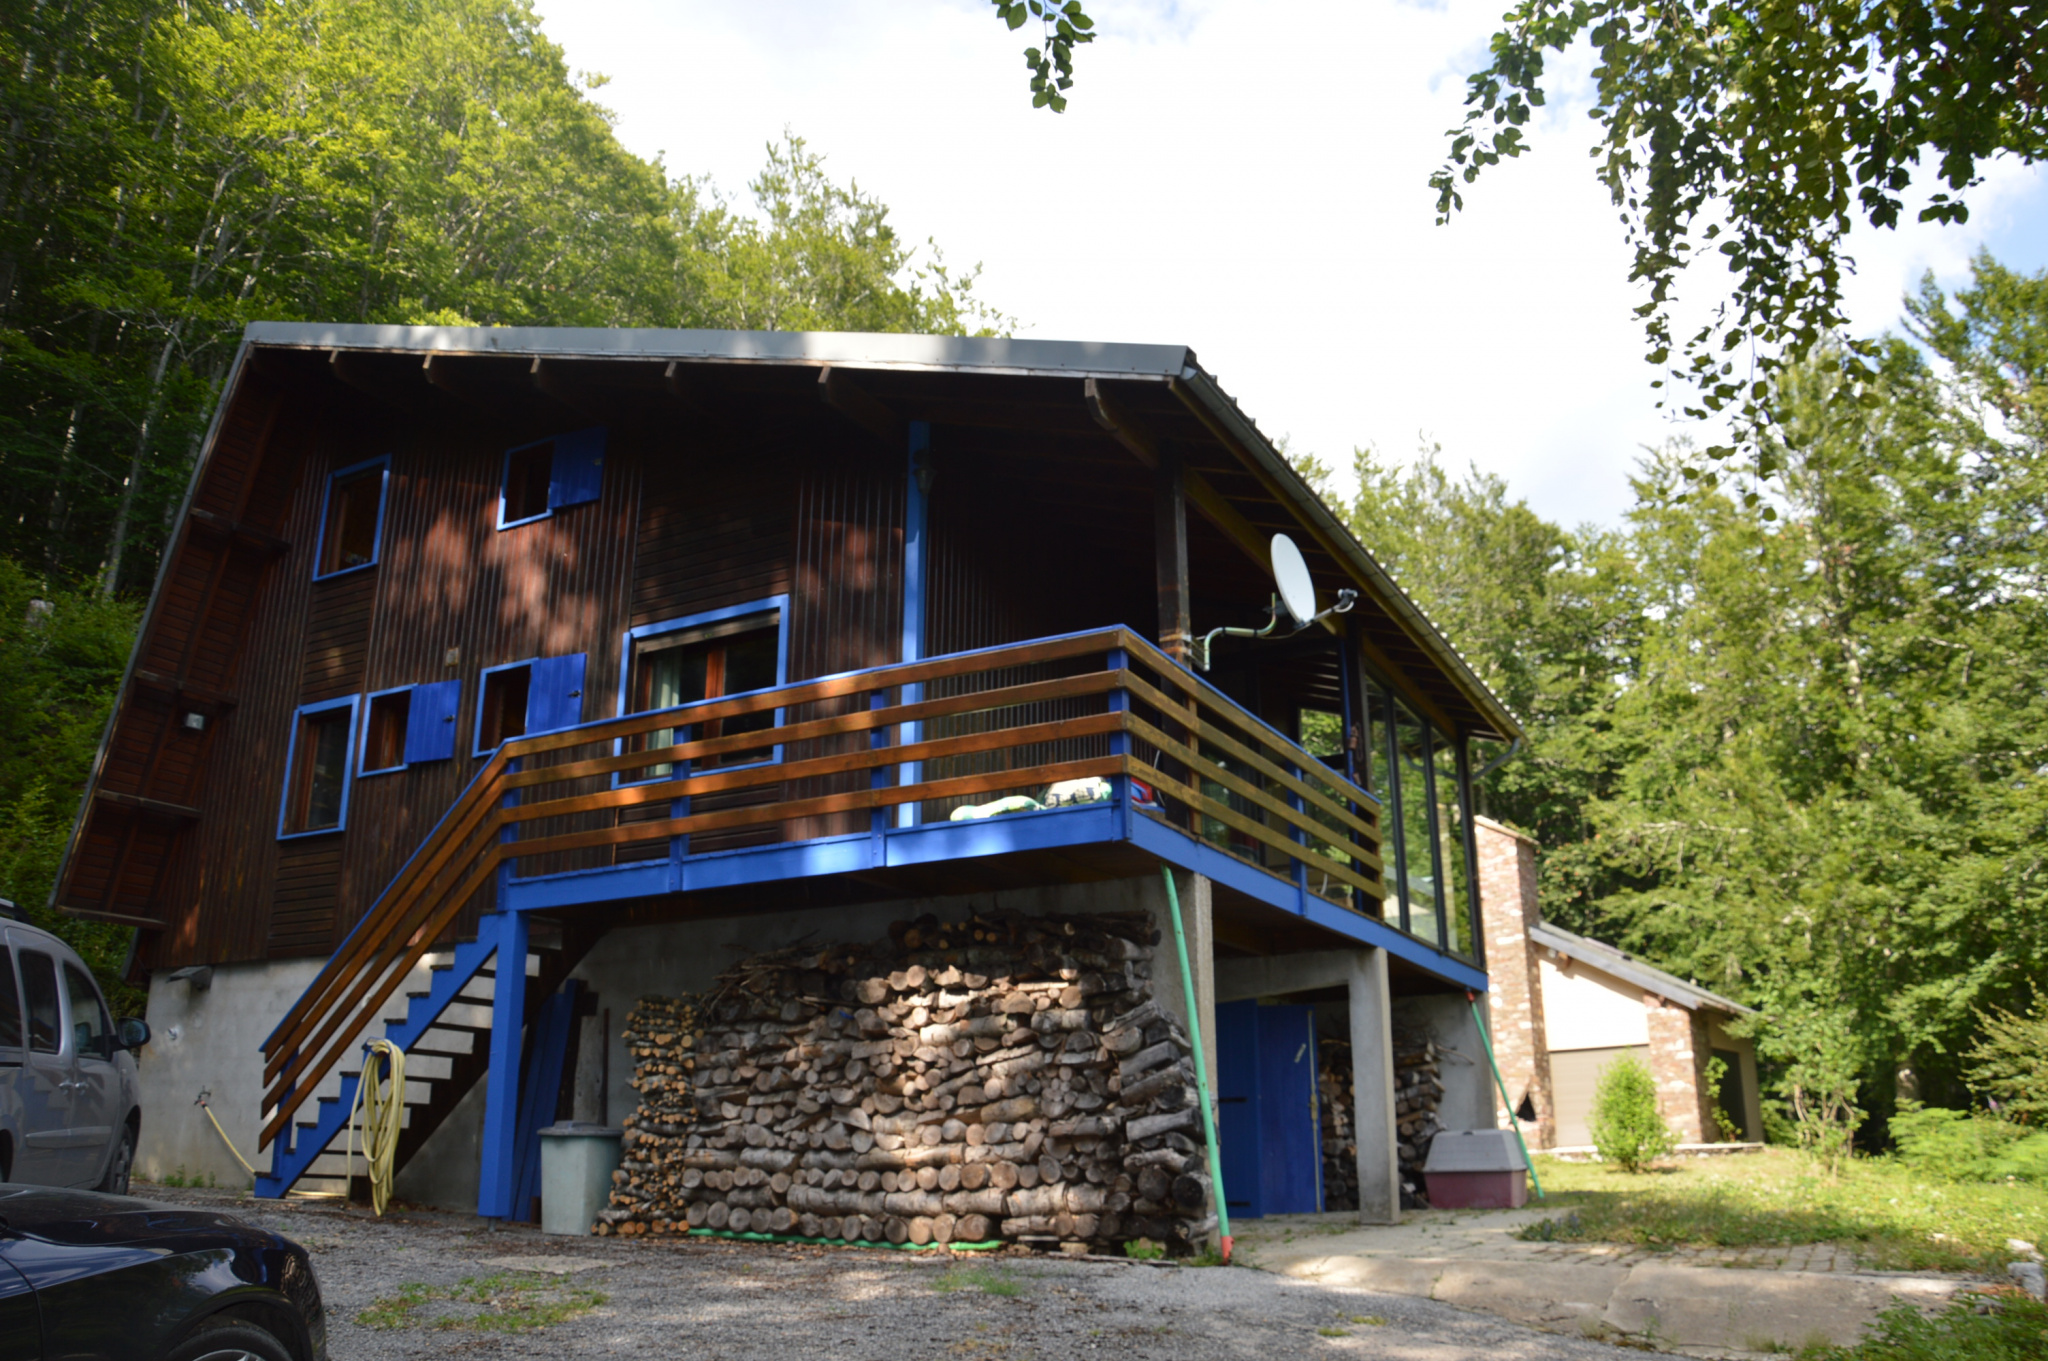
(122, 857)
(446, 578)
(847, 599)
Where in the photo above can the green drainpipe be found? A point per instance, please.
(1187, 978)
(1506, 1100)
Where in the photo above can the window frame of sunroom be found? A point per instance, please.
(1386, 763)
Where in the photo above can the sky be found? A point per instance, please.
(1250, 180)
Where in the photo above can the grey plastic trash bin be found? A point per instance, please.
(576, 1164)
(1476, 1169)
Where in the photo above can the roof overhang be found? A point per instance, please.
(1619, 964)
(1171, 366)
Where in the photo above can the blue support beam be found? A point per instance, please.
(916, 561)
(497, 1180)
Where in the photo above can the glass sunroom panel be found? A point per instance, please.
(1451, 834)
(1374, 768)
(1421, 877)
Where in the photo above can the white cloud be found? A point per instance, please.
(1247, 179)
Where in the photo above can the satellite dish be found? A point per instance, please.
(1290, 574)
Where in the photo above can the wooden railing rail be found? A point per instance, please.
(1214, 766)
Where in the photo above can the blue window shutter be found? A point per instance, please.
(555, 698)
(578, 473)
(430, 722)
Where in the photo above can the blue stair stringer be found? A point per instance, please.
(297, 1146)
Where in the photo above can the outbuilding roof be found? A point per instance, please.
(1625, 966)
(894, 357)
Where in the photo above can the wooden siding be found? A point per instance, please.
(446, 579)
(847, 605)
(185, 662)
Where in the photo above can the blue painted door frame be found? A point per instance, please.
(1266, 1100)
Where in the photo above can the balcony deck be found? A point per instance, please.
(859, 776)
(1263, 817)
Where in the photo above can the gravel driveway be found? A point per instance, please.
(716, 1299)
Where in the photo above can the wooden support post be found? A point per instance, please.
(1170, 541)
(497, 1176)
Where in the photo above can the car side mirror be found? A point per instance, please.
(134, 1033)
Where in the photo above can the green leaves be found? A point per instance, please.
(1065, 26)
(1780, 119)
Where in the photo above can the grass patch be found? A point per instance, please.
(1889, 1216)
(987, 1280)
(2013, 1329)
(505, 1303)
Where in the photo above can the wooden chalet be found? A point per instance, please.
(482, 644)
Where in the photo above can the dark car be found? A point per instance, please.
(84, 1275)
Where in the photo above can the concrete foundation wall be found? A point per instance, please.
(207, 1039)
(1469, 1100)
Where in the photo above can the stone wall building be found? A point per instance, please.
(1563, 1007)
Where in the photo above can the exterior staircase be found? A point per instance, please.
(442, 1022)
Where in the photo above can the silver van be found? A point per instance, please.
(69, 1102)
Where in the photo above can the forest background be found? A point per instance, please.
(1791, 747)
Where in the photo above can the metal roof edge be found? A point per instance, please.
(1311, 506)
(1607, 959)
(853, 349)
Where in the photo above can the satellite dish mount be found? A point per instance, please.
(1295, 595)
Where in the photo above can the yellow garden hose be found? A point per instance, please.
(201, 1103)
(382, 1106)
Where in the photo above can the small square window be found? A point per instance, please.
(316, 786)
(503, 717)
(551, 475)
(528, 473)
(351, 518)
(384, 731)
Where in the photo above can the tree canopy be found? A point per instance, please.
(172, 172)
(1797, 759)
(1759, 130)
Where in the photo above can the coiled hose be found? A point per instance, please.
(382, 1107)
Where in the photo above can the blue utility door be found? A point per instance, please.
(1266, 1108)
(1290, 1144)
(1237, 1122)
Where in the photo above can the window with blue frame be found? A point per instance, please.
(541, 694)
(408, 725)
(316, 768)
(700, 657)
(352, 517)
(550, 475)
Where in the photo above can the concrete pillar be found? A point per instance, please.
(1372, 1085)
(1508, 909)
(1678, 1055)
(1197, 921)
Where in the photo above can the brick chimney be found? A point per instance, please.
(1508, 909)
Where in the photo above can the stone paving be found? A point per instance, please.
(1709, 1302)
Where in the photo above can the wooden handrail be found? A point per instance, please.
(1290, 812)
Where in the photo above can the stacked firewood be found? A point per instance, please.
(1007, 1077)
(1340, 1139)
(1418, 1093)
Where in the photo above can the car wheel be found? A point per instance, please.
(115, 1182)
(231, 1342)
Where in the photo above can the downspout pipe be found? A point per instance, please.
(1187, 981)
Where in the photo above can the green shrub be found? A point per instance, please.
(1627, 1128)
(1968, 1146)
